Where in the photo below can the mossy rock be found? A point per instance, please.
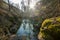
(50, 21)
(50, 29)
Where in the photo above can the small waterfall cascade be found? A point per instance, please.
(26, 29)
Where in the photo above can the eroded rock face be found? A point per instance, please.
(50, 29)
(9, 21)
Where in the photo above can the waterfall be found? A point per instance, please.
(26, 28)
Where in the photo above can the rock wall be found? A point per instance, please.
(10, 19)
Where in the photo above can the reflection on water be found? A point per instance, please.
(26, 30)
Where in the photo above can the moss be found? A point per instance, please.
(50, 21)
(58, 19)
(47, 21)
(50, 29)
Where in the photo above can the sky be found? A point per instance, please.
(32, 4)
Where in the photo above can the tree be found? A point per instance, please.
(47, 9)
(9, 4)
(1, 2)
(25, 8)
